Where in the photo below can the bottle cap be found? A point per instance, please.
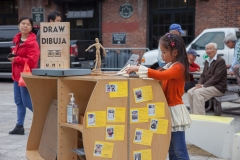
(72, 99)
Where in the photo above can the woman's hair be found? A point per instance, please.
(230, 37)
(175, 42)
(28, 18)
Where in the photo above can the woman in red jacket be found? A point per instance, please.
(26, 51)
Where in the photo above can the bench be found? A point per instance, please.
(213, 134)
(230, 95)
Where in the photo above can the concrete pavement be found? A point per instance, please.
(13, 147)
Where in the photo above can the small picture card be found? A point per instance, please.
(96, 119)
(111, 88)
(143, 137)
(138, 95)
(151, 110)
(118, 89)
(143, 94)
(156, 109)
(115, 132)
(159, 126)
(116, 114)
(111, 114)
(110, 132)
(91, 119)
(138, 136)
(137, 155)
(153, 124)
(134, 115)
(98, 150)
(138, 115)
(142, 154)
(108, 88)
(103, 149)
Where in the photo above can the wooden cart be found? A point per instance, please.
(90, 95)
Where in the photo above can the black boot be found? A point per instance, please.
(18, 130)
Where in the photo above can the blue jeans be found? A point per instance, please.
(178, 148)
(22, 100)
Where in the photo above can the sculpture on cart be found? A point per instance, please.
(98, 55)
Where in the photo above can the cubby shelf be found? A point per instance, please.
(90, 96)
(78, 127)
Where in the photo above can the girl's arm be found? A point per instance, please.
(176, 71)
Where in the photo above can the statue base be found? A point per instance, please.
(96, 72)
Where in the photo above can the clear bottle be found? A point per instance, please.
(72, 111)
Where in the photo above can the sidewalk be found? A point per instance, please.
(13, 147)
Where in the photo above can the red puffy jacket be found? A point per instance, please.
(26, 52)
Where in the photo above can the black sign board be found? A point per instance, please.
(37, 14)
(118, 38)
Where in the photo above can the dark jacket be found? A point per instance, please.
(38, 37)
(215, 75)
(27, 52)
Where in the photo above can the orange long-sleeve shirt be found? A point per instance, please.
(172, 82)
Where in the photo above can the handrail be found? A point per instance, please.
(128, 49)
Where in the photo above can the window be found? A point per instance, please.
(7, 33)
(80, 14)
(8, 12)
(84, 20)
(215, 37)
(166, 4)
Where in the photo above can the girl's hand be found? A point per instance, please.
(132, 69)
(11, 59)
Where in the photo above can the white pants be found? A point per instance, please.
(198, 97)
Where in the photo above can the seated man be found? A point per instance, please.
(192, 54)
(231, 42)
(213, 81)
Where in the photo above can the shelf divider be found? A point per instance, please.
(78, 127)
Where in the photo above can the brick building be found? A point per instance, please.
(128, 23)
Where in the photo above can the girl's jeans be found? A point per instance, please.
(178, 149)
(22, 100)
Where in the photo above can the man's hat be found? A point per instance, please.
(193, 52)
(176, 27)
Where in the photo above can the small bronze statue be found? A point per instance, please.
(98, 56)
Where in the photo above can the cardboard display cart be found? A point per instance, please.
(91, 96)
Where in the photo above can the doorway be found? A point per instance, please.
(165, 12)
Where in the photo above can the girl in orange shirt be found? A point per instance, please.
(173, 76)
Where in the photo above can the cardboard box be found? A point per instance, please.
(48, 143)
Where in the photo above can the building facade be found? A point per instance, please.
(127, 23)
